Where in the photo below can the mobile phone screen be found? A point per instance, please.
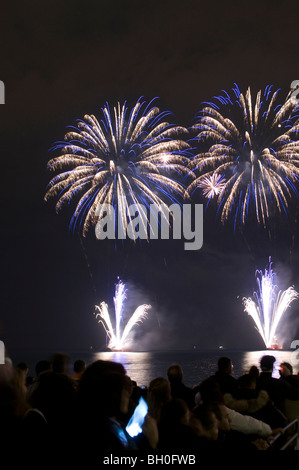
(133, 427)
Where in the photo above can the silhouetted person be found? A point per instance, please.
(23, 369)
(287, 374)
(54, 395)
(59, 363)
(40, 367)
(176, 433)
(254, 372)
(278, 390)
(159, 393)
(102, 401)
(178, 388)
(79, 368)
(262, 408)
(20, 425)
(227, 383)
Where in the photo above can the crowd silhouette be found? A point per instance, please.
(83, 416)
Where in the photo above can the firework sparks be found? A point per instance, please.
(212, 185)
(257, 153)
(269, 304)
(117, 339)
(126, 158)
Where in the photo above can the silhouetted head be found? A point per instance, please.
(175, 373)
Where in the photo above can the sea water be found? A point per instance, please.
(144, 366)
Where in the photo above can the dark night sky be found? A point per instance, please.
(62, 59)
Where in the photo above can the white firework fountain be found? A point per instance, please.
(116, 337)
(269, 305)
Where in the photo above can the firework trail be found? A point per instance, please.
(120, 296)
(252, 147)
(116, 338)
(126, 158)
(269, 304)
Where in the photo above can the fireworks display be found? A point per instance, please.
(246, 161)
(268, 304)
(117, 339)
(126, 158)
(252, 147)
